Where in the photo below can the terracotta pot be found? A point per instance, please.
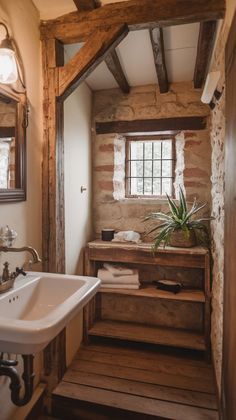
(179, 238)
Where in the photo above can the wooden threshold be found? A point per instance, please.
(146, 334)
(153, 292)
(105, 382)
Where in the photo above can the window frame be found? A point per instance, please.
(146, 138)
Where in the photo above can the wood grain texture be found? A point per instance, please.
(53, 162)
(95, 50)
(149, 291)
(76, 27)
(113, 64)
(205, 47)
(108, 381)
(158, 125)
(156, 36)
(229, 336)
(148, 334)
(153, 312)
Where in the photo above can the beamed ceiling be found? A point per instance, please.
(157, 55)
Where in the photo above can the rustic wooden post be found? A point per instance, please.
(53, 165)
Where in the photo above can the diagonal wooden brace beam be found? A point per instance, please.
(137, 14)
(113, 64)
(93, 52)
(156, 35)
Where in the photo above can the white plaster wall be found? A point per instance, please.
(77, 124)
(23, 21)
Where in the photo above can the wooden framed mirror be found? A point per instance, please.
(13, 123)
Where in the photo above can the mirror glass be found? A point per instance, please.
(8, 118)
(12, 146)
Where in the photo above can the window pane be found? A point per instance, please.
(136, 149)
(167, 168)
(167, 149)
(148, 169)
(148, 186)
(157, 168)
(166, 186)
(136, 186)
(157, 150)
(157, 187)
(148, 150)
(137, 168)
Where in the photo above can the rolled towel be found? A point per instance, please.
(107, 277)
(118, 270)
(121, 286)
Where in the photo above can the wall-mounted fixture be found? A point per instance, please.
(210, 89)
(8, 62)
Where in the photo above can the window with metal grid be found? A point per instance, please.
(150, 166)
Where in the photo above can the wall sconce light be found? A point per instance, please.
(8, 64)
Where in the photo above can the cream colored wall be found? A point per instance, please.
(77, 125)
(23, 21)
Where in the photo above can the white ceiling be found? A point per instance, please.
(135, 51)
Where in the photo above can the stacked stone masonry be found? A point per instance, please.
(193, 166)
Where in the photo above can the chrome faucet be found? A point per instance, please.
(7, 279)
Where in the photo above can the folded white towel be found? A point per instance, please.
(121, 286)
(118, 270)
(127, 236)
(107, 277)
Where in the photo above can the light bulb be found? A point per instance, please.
(8, 67)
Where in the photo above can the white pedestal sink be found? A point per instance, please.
(38, 307)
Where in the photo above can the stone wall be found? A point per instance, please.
(194, 153)
(218, 170)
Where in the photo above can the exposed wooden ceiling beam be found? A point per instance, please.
(95, 50)
(86, 4)
(144, 126)
(113, 64)
(205, 47)
(156, 35)
(137, 14)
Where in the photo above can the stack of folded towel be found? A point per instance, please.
(118, 277)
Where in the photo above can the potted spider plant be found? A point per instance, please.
(178, 228)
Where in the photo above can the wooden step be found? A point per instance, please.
(150, 291)
(146, 334)
(108, 382)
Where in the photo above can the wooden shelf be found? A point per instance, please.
(146, 334)
(151, 291)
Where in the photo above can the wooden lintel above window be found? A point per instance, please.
(158, 125)
(137, 14)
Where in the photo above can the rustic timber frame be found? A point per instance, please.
(102, 29)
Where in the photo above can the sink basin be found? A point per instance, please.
(38, 307)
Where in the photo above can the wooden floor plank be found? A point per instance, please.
(132, 360)
(147, 334)
(147, 376)
(164, 393)
(162, 355)
(133, 403)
